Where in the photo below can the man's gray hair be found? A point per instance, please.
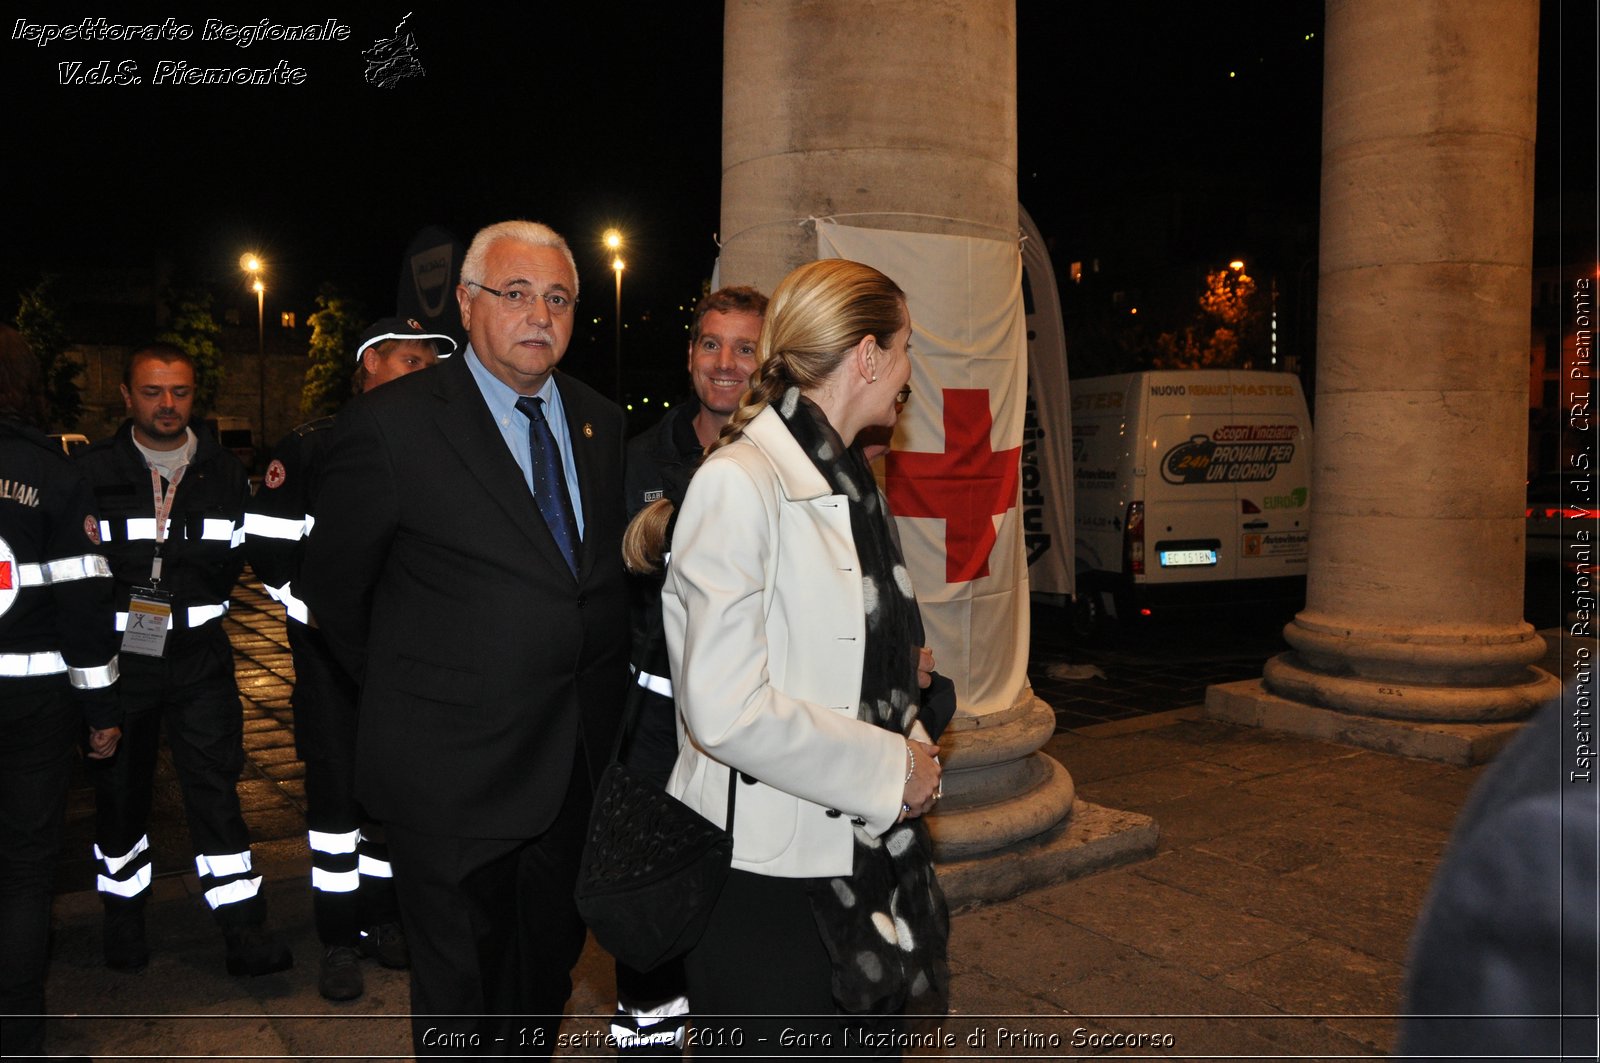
(528, 232)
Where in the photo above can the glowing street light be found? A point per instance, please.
(252, 264)
(612, 238)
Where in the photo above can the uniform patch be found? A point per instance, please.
(654, 496)
(8, 577)
(91, 529)
(276, 474)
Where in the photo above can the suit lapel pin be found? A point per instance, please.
(588, 430)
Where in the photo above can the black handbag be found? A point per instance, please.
(652, 867)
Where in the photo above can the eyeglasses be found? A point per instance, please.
(559, 303)
(902, 396)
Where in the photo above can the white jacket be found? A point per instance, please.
(766, 631)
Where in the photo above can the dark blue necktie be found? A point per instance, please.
(550, 481)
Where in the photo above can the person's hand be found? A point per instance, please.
(922, 789)
(103, 742)
(924, 667)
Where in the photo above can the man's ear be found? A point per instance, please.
(464, 301)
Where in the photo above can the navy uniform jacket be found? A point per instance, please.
(201, 558)
(482, 660)
(279, 515)
(55, 585)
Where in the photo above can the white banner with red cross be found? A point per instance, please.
(952, 475)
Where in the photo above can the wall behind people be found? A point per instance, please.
(101, 377)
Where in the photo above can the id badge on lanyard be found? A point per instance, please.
(150, 608)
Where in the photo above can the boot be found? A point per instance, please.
(386, 943)
(255, 950)
(340, 978)
(122, 936)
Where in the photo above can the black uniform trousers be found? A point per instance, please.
(326, 711)
(39, 725)
(204, 723)
(761, 980)
(473, 993)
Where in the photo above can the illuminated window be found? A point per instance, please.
(287, 318)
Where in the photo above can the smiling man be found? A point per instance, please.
(466, 567)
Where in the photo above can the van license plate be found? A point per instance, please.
(1178, 558)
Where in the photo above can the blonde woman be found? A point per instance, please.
(794, 646)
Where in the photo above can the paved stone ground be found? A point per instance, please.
(1271, 923)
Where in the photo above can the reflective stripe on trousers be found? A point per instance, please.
(112, 879)
(233, 866)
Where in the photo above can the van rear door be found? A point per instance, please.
(1189, 532)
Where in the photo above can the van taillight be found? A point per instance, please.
(1133, 540)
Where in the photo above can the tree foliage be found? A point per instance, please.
(1225, 331)
(335, 328)
(40, 324)
(193, 329)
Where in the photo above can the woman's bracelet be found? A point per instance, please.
(911, 762)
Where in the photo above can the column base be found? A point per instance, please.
(1010, 820)
(1091, 838)
(1249, 703)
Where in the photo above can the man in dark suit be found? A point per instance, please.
(466, 567)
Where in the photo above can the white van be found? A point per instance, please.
(1191, 486)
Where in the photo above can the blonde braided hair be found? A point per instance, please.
(817, 315)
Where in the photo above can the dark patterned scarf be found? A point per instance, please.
(886, 925)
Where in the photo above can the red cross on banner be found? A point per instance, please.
(967, 485)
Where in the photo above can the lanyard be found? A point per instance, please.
(163, 507)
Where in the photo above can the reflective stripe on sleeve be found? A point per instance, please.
(337, 844)
(115, 864)
(129, 887)
(372, 867)
(24, 665)
(296, 609)
(94, 678)
(335, 881)
(656, 684)
(240, 889)
(63, 570)
(291, 528)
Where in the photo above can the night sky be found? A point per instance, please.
(1200, 121)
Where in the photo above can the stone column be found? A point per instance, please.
(1414, 597)
(904, 107)
(899, 114)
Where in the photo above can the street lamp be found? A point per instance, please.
(253, 265)
(613, 242)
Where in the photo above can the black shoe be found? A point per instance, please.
(385, 943)
(122, 938)
(340, 978)
(255, 950)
